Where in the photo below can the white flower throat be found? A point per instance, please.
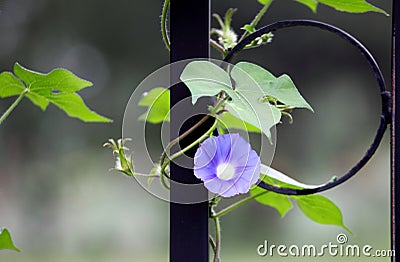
(225, 171)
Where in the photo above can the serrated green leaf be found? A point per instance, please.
(312, 4)
(282, 88)
(280, 202)
(57, 87)
(10, 85)
(229, 121)
(352, 6)
(321, 210)
(158, 103)
(6, 241)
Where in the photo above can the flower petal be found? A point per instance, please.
(231, 150)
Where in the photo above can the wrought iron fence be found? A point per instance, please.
(189, 222)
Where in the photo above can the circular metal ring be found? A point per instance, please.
(385, 117)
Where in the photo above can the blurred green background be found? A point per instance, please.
(61, 203)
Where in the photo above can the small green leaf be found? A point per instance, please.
(10, 85)
(57, 87)
(249, 28)
(321, 210)
(228, 18)
(282, 88)
(278, 201)
(6, 241)
(312, 4)
(156, 170)
(229, 121)
(157, 101)
(352, 6)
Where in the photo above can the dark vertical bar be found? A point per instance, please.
(395, 129)
(190, 26)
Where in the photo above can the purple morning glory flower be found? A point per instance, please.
(227, 165)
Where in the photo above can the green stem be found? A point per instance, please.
(217, 238)
(288, 115)
(13, 106)
(145, 175)
(216, 245)
(185, 134)
(218, 47)
(164, 25)
(220, 130)
(197, 141)
(190, 130)
(212, 243)
(163, 182)
(237, 204)
(257, 18)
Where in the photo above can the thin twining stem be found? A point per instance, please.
(190, 130)
(164, 32)
(13, 106)
(217, 239)
(197, 141)
(257, 18)
(237, 204)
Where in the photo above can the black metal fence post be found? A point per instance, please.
(190, 27)
(395, 128)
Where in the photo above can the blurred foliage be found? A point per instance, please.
(6, 241)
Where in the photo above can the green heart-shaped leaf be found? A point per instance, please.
(282, 88)
(321, 210)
